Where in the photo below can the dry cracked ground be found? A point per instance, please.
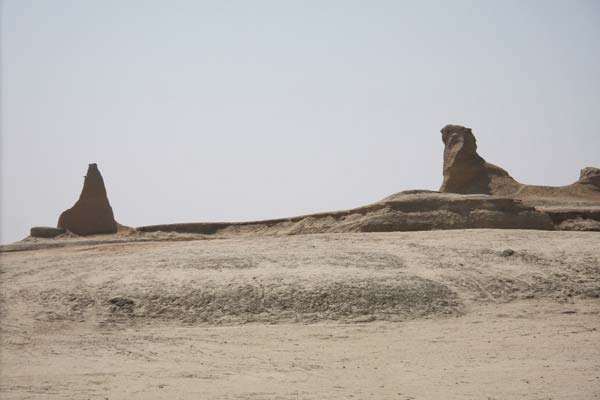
(465, 314)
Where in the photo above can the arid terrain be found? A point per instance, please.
(487, 289)
(460, 314)
(295, 200)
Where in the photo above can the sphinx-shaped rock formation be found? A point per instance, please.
(466, 172)
(92, 213)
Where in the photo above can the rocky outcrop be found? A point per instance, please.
(466, 172)
(46, 232)
(474, 194)
(590, 176)
(405, 211)
(92, 213)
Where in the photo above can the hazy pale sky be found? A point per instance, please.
(239, 110)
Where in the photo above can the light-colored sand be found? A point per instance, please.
(414, 315)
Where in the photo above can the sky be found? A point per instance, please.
(242, 110)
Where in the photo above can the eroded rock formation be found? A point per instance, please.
(92, 213)
(46, 232)
(466, 172)
(414, 210)
(590, 176)
(474, 194)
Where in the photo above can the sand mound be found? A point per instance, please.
(346, 277)
(411, 315)
(92, 213)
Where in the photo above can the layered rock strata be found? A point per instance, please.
(404, 211)
(46, 232)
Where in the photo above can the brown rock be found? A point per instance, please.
(414, 210)
(467, 172)
(46, 232)
(92, 213)
(590, 176)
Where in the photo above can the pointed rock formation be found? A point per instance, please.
(467, 172)
(92, 213)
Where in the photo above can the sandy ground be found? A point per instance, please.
(412, 315)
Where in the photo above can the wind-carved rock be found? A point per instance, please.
(46, 232)
(467, 172)
(92, 213)
(590, 176)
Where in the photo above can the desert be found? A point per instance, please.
(299, 200)
(434, 314)
(486, 289)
